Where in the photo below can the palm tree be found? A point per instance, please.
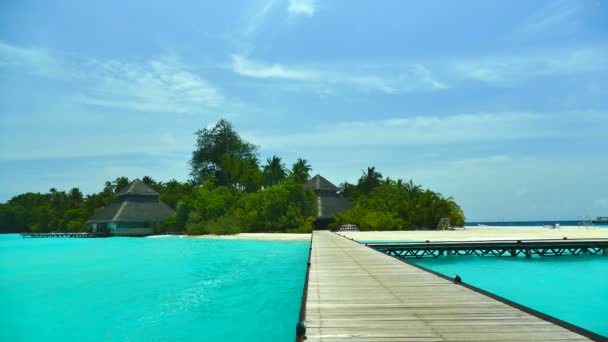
(274, 171)
(369, 180)
(76, 196)
(300, 171)
(119, 183)
(413, 190)
(251, 178)
(400, 184)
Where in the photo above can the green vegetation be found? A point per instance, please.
(395, 205)
(61, 211)
(230, 192)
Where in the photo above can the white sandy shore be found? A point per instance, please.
(257, 236)
(483, 233)
(463, 234)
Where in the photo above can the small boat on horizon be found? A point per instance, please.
(600, 220)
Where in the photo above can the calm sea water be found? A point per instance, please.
(571, 288)
(535, 223)
(152, 289)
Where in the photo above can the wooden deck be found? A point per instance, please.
(355, 293)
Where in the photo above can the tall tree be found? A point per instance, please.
(369, 180)
(274, 171)
(212, 145)
(120, 183)
(349, 191)
(300, 171)
(108, 189)
(76, 196)
(242, 174)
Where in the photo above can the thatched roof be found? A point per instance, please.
(137, 202)
(319, 183)
(137, 188)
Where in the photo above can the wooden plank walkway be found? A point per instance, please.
(358, 294)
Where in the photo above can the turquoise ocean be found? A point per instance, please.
(181, 289)
(149, 289)
(571, 288)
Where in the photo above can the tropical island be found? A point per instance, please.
(230, 191)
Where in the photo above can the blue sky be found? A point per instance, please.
(502, 105)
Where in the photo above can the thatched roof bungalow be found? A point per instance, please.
(330, 202)
(134, 212)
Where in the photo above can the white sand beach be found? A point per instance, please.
(461, 234)
(484, 233)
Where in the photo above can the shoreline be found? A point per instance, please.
(254, 236)
(459, 234)
(482, 233)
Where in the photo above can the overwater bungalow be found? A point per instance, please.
(330, 202)
(134, 212)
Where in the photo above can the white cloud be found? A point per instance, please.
(438, 130)
(244, 40)
(512, 70)
(301, 7)
(157, 85)
(160, 85)
(34, 61)
(399, 77)
(424, 75)
(244, 67)
(559, 18)
(91, 141)
(554, 15)
(389, 80)
(257, 20)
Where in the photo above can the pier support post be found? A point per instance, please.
(528, 253)
(301, 331)
(512, 251)
(449, 252)
(605, 250)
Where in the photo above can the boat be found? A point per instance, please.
(600, 220)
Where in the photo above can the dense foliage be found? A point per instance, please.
(222, 154)
(231, 192)
(395, 205)
(222, 210)
(61, 211)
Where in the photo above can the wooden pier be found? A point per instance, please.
(355, 293)
(65, 235)
(497, 248)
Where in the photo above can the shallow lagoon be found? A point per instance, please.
(180, 289)
(151, 289)
(571, 288)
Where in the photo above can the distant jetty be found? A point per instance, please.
(65, 235)
(600, 220)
